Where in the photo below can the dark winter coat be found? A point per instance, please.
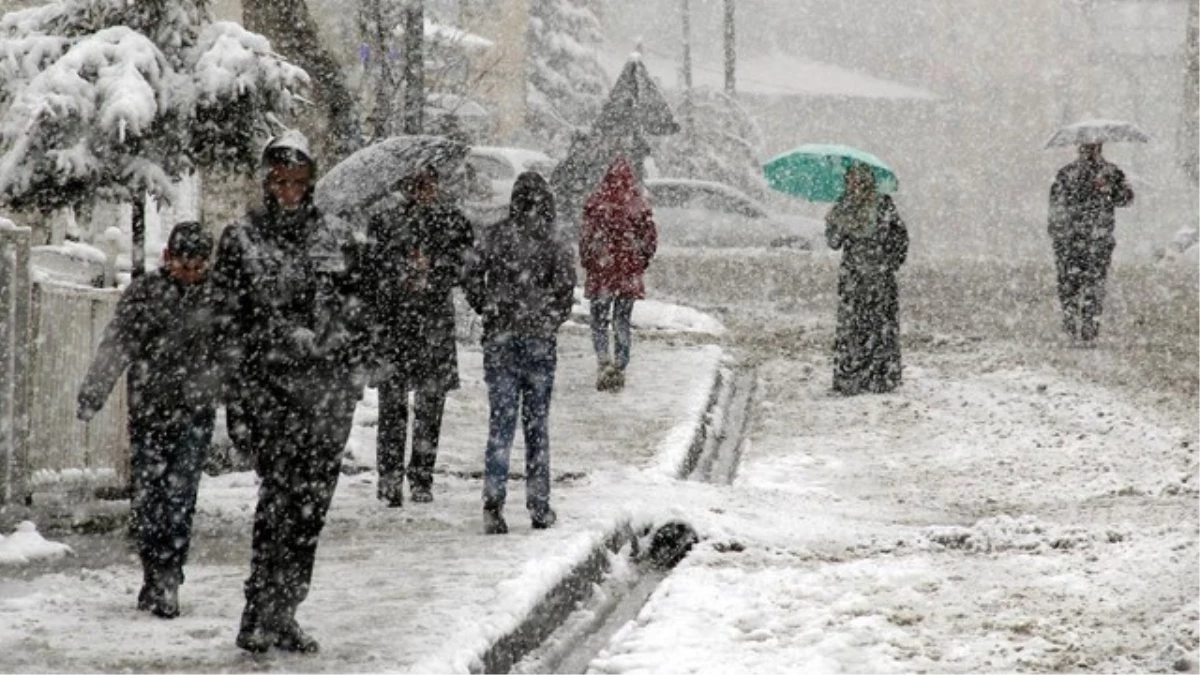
(288, 318)
(1083, 198)
(414, 257)
(523, 279)
(619, 237)
(162, 334)
(867, 339)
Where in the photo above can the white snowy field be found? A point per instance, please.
(1004, 519)
(418, 588)
(1020, 504)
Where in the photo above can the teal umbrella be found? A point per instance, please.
(816, 171)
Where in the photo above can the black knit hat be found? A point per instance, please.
(190, 240)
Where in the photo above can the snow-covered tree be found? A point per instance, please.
(567, 84)
(720, 142)
(113, 99)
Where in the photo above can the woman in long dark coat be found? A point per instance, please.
(874, 242)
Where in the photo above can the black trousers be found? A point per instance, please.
(429, 403)
(167, 461)
(1082, 264)
(298, 447)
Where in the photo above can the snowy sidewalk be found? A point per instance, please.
(418, 588)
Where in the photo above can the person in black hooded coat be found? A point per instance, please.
(522, 284)
(415, 255)
(290, 338)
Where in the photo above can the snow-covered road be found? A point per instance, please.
(981, 519)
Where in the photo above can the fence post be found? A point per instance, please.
(15, 286)
(111, 245)
(7, 263)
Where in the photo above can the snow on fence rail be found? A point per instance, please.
(48, 333)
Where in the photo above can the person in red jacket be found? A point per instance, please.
(617, 242)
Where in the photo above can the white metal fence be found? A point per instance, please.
(49, 332)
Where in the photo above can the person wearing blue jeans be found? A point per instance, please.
(617, 242)
(522, 282)
(617, 310)
(519, 372)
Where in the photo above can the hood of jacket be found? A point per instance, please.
(532, 209)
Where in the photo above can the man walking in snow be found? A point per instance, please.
(414, 258)
(1082, 202)
(523, 285)
(284, 295)
(161, 334)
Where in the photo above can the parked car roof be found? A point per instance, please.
(707, 213)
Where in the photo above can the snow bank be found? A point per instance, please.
(658, 315)
(26, 545)
(519, 596)
(677, 443)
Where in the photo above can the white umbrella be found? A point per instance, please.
(1098, 131)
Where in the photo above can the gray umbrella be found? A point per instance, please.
(1098, 131)
(365, 177)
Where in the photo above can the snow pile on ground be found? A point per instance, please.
(658, 315)
(25, 545)
(1023, 533)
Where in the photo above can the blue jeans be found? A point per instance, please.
(620, 310)
(519, 372)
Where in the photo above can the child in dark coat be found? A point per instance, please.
(160, 336)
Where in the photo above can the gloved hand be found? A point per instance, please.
(85, 413)
(303, 343)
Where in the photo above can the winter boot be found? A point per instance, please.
(544, 519)
(289, 637)
(147, 597)
(165, 603)
(493, 521)
(617, 379)
(389, 491)
(253, 635)
(603, 375)
(420, 493)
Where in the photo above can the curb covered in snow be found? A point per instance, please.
(550, 612)
(682, 450)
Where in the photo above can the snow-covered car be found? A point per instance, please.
(711, 214)
(491, 173)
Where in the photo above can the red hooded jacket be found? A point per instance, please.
(619, 237)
